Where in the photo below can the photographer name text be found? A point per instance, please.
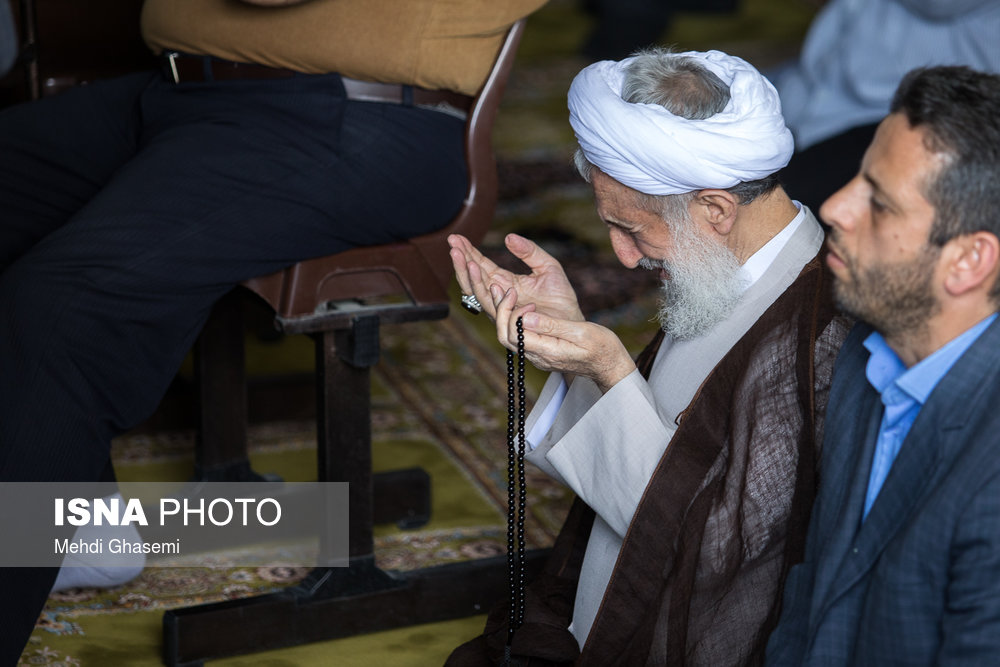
(115, 546)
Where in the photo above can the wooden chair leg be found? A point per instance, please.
(221, 446)
(344, 359)
(342, 388)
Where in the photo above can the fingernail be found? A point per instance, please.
(530, 320)
(495, 292)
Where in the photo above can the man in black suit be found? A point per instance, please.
(902, 562)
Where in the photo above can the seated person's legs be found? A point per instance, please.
(229, 182)
(103, 308)
(58, 153)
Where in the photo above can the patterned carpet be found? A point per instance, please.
(439, 392)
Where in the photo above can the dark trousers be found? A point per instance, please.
(128, 207)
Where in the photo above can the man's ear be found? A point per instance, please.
(718, 208)
(972, 262)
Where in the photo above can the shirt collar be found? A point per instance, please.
(885, 368)
(760, 261)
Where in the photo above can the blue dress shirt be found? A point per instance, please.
(904, 391)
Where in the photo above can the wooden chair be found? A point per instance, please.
(340, 302)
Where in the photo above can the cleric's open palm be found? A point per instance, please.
(546, 286)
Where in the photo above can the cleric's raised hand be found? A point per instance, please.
(546, 286)
(568, 346)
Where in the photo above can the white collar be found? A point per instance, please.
(759, 262)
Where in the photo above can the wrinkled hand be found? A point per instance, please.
(546, 286)
(571, 347)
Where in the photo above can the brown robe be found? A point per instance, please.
(699, 577)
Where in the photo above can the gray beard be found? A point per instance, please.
(702, 288)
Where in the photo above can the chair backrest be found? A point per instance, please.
(64, 43)
(418, 268)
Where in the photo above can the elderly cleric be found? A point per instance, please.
(694, 465)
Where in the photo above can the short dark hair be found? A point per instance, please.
(960, 109)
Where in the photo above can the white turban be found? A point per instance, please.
(651, 150)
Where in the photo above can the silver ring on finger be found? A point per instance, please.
(471, 304)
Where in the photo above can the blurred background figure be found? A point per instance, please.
(852, 59)
(624, 26)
